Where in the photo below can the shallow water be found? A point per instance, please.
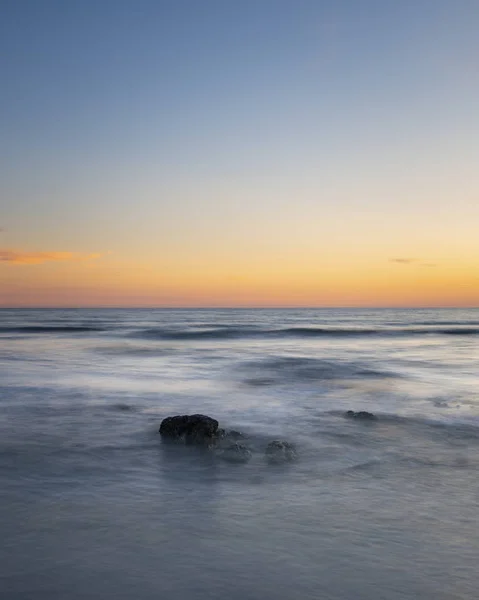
(93, 504)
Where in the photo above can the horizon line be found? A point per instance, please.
(287, 307)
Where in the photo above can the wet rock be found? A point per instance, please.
(362, 415)
(192, 429)
(235, 452)
(278, 452)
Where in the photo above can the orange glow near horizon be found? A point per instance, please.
(102, 281)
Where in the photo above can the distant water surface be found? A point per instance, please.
(94, 505)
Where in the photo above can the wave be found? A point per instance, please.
(459, 331)
(239, 332)
(51, 329)
(231, 333)
(130, 350)
(283, 369)
(398, 331)
(319, 332)
(458, 323)
(444, 429)
(195, 334)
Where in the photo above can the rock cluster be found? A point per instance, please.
(231, 446)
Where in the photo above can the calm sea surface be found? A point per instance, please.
(94, 505)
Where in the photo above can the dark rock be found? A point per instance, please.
(362, 414)
(193, 429)
(235, 452)
(280, 452)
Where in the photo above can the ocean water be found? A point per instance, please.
(94, 505)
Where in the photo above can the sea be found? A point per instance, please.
(94, 504)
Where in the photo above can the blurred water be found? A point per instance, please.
(92, 504)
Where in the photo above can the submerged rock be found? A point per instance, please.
(278, 452)
(229, 434)
(192, 429)
(235, 452)
(362, 414)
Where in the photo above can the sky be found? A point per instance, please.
(239, 153)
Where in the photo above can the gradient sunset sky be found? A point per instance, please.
(239, 153)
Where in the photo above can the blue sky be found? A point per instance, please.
(145, 129)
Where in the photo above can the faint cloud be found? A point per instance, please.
(38, 258)
(409, 261)
(403, 261)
